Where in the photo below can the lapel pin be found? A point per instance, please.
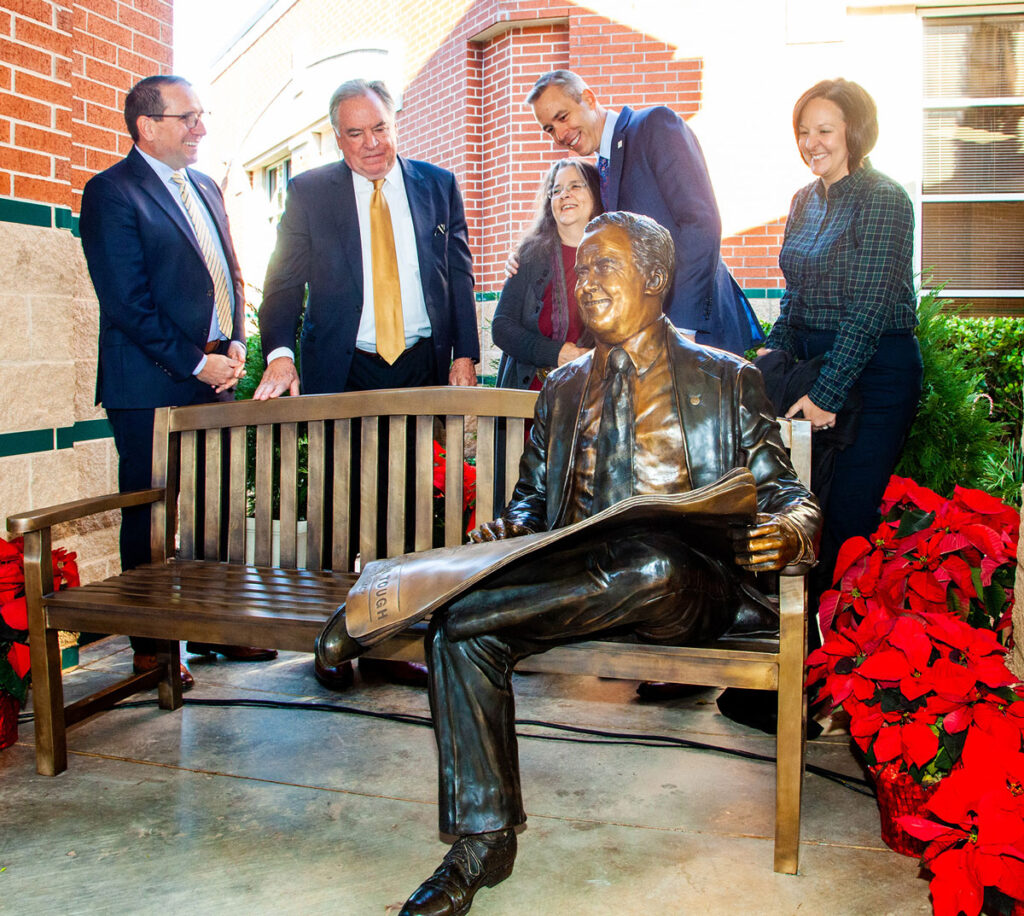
(695, 399)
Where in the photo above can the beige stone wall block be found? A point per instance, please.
(38, 261)
(14, 341)
(54, 478)
(85, 312)
(97, 467)
(14, 497)
(34, 396)
(51, 328)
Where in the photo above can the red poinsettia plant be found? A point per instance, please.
(14, 657)
(468, 485)
(910, 651)
(911, 654)
(974, 827)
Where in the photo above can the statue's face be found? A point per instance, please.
(616, 300)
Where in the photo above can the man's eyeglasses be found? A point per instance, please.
(573, 187)
(190, 118)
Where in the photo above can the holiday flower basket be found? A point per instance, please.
(912, 654)
(14, 656)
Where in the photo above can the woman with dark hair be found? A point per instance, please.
(847, 258)
(536, 323)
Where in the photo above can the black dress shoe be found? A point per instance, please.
(410, 674)
(758, 709)
(231, 653)
(337, 678)
(334, 645)
(657, 691)
(475, 861)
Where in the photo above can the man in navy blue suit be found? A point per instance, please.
(383, 304)
(651, 164)
(160, 255)
(324, 245)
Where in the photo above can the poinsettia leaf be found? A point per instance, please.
(10, 681)
(922, 827)
(954, 888)
(913, 521)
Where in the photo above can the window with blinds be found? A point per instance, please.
(972, 214)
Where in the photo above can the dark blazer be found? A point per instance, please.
(155, 292)
(657, 169)
(727, 421)
(515, 327)
(318, 247)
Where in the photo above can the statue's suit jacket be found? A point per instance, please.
(318, 246)
(727, 422)
(657, 169)
(155, 292)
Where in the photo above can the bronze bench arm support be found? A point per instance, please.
(39, 519)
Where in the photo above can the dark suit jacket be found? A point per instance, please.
(727, 421)
(155, 292)
(657, 169)
(515, 328)
(318, 247)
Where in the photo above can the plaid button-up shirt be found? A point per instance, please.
(848, 262)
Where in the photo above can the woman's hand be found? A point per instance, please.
(763, 351)
(569, 352)
(820, 419)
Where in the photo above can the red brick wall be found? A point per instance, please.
(468, 68)
(66, 68)
(753, 256)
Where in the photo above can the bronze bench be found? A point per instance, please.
(199, 586)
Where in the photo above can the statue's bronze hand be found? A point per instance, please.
(768, 545)
(498, 530)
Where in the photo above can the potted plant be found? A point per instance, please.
(15, 670)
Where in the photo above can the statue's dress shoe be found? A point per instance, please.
(338, 677)
(334, 645)
(231, 653)
(475, 861)
(141, 663)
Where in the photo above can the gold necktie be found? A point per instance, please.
(387, 290)
(221, 291)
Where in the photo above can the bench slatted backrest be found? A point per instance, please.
(292, 459)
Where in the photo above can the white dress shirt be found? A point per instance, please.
(414, 307)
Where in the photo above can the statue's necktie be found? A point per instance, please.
(602, 169)
(387, 289)
(613, 465)
(221, 290)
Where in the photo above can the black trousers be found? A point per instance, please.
(640, 583)
(890, 389)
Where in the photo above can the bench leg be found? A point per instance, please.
(169, 688)
(44, 656)
(791, 733)
(48, 703)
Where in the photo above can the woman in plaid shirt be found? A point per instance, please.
(848, 262)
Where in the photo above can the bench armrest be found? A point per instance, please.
(39, 519)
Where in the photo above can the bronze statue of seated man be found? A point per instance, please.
(645, 412)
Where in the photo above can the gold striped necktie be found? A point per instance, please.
(222, 293)
(387, 289)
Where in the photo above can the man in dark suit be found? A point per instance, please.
(325, 244)
(646, 411)
(380, 244)
(156, 240)
(651, 163)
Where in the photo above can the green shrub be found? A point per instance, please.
(953, 438)
(994, 346)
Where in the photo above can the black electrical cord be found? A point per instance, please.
(595, 736)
